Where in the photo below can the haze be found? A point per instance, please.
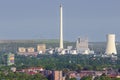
(39, 19)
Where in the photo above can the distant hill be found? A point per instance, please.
(32, 41)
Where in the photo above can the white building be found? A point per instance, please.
(82, 46)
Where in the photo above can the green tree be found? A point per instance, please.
(79, 67)
(116, 79)
(72, 79)
(86, 78)
(20, 76)
(103, 77)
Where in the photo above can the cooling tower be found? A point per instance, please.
(111, 47)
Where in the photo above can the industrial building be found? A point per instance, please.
(30, 50)
(21, 49)
(82, 46)
(41, 48)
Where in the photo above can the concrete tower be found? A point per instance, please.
(61, 28)
(111, 48)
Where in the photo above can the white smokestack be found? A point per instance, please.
(61, 27)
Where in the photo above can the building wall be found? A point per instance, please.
(10, 60)
(57, 75)
(41, 47)
(82, 45)
(30, 49)
(21, 49)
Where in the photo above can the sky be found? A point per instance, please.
(39, 19)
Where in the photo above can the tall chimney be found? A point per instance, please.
(61, 28)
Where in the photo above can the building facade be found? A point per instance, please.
(21, 49)
(82, 45)
(30, 49)
(57, 75)
(41, 48)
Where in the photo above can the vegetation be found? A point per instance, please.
(72, 79)
(71, 62)
(86, 78)
(20, 76)
(60, 62)
(102, 77)
(12, 46)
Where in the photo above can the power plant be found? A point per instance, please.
(111, 47)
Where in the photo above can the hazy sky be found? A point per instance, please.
(39, 19)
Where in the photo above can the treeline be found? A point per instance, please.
(71, 62)
(13, 46)
(102, 77)
(20, 76)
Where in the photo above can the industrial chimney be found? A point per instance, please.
(61, 28)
